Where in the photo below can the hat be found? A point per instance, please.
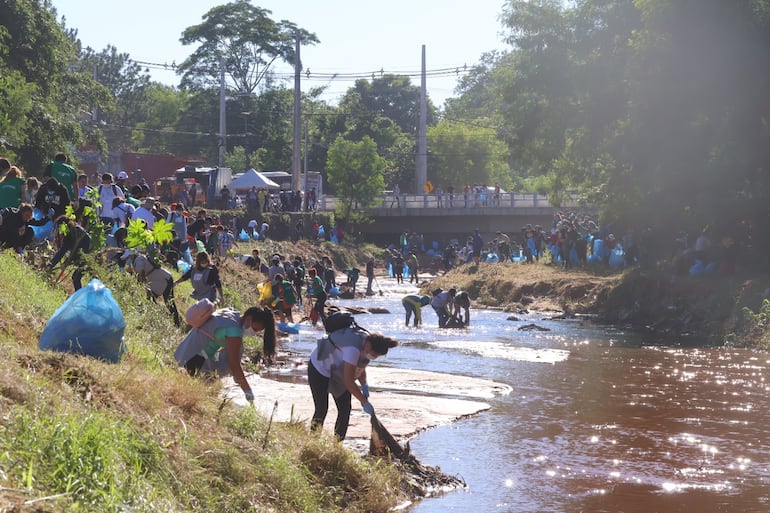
(122, 175)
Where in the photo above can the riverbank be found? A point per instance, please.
(666, 308)
(407, 401)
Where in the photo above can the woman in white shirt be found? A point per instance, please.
(122, 212)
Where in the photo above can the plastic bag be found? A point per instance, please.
(89, 322)
(41, 232)
(265, 293)
(243, 236)
(182, 266)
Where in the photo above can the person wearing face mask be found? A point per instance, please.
(338, 361)
(204, 278)
(216, 346)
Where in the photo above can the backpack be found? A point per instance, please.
(198, 314)
(340, 320)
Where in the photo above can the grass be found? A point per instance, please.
(81, 435)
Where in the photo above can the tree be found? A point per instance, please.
(355, 171)
(41, 55)
(466, 153)
(127, 83)
(388, 96)
(247, 39)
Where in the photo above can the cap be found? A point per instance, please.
(122, 175)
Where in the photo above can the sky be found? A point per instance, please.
(356, 36)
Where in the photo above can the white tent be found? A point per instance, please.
(252, 178)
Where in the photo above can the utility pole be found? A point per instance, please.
(421, 160)
(222, 126)
(295, 164)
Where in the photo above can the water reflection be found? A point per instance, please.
(595, 422)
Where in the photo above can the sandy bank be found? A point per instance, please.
(406, 401)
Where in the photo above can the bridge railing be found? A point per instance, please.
(473, 200)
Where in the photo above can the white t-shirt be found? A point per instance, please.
(122, 211)
(349, 354)
(107, 193)
(143, 213)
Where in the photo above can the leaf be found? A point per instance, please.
(161, 232)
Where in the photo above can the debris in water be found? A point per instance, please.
(420, 480)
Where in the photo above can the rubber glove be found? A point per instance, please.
(365, 390)
(368, 408)
(249, 396)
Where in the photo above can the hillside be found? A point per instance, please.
(78, 434)
(665, 308)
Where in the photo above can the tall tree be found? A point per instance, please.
(248, 40)
(127, 83)
(388, 96)
(38, 51)
(355, 171)
(466, 153)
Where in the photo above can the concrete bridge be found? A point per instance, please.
(443, 219)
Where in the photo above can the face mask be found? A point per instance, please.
(249, 332)
(370, 356)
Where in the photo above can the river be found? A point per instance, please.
(595, 422)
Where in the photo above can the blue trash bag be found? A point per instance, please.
(698, 268)
(243, 236)
(492, 258)
(187, 256)
(334, 239)
(617, 258)
(182, 266)
(599, 250)
(291, 328)
(406, 271)
(574, 259)
(321, 232)
(41, 232)
(89, 322)
(334, 292)
(390, 270)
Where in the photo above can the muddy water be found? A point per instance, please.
(595, 422)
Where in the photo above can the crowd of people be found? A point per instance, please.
(470, 196)
(200, 242)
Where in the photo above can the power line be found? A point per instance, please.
(330, 76)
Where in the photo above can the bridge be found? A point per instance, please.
(442, 217)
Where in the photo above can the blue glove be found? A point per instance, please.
(368, 408)
(365, 390)
(249, 396)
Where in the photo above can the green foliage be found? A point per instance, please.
(355, 171)
(37, 54)
(656, 110)
(246, 38)
(466, 153)
(753, 328)
(149, 241)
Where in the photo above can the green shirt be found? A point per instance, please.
(220, 336)
(65, 175)
(10, 192)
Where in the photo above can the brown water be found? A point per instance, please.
(614, 429)
(595, 422)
